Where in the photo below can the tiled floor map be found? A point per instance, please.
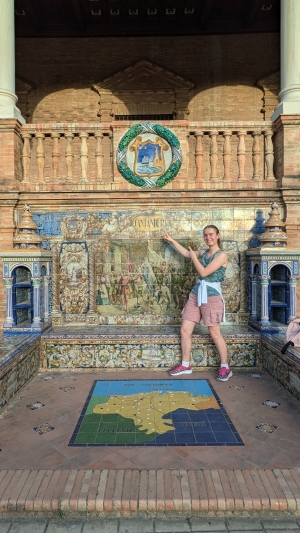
(154, 413)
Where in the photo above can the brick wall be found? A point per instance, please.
(224, 69)
(10, 154)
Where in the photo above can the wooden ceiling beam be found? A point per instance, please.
(252, 12)
(73, 17)
(33, 13)
(78, 14)
(205, 13)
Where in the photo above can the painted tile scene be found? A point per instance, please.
(154, 413)
(114, 267)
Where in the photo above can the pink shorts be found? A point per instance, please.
(211, 313)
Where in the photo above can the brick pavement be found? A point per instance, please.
(42, 476)
(108, 492)
(23, 448)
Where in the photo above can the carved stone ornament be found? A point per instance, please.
(274, 236)
(149, 155)
(25, 236)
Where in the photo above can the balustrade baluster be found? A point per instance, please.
(55, 154)
(256, 154)
(69, 155)
(26, 156)
(111, 155)
(40, 155)
(99, 156)
(188, 154)
(241, 155)
(213, 155)
(199, 157)
(269, 155)
(227, 154)
(84, 157)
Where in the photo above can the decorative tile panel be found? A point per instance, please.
(128, 274)
(148, 350)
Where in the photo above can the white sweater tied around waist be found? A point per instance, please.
(202, 293)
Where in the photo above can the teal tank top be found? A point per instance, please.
(218, 275)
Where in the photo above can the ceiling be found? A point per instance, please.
(101, 18)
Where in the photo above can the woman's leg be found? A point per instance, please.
(187, 328)
(220, 343)
(190, 316)
(224, 371)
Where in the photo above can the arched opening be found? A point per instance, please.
(279, 295)
(22, 296)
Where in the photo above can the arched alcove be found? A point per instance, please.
(279, 294)
(22, 296)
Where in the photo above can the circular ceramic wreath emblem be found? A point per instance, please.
(149, 155)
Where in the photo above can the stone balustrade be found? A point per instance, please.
(82, 155)
(64, 154)
(233, 153)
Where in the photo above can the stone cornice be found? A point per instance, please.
(72, 202)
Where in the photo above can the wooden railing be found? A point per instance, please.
(82, 155)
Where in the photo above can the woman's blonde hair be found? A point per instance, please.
(217, 232)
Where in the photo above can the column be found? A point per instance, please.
(290, 59)
(8, 98)
(264, 309)
(46, 297)
(55, 313)
(92, 315)
(253, 296)
(9, 323)
(199, 157)
(293, 298)
(36, 284)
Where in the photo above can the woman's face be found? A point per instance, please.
(210, 236)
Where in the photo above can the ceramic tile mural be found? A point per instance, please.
(146, 352)
(19, 364)
(154, 413)
(284, 368)
(115, 268)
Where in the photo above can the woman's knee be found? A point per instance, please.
(186, 330)
(215, 332)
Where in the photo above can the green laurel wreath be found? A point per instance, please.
(161, 131)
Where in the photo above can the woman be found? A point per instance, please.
(205, 300)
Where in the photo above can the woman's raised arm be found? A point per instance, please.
(181, 249)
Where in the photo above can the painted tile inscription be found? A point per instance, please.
(154, 413)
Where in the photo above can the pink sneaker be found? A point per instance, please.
(224, 374)
(180, 369)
